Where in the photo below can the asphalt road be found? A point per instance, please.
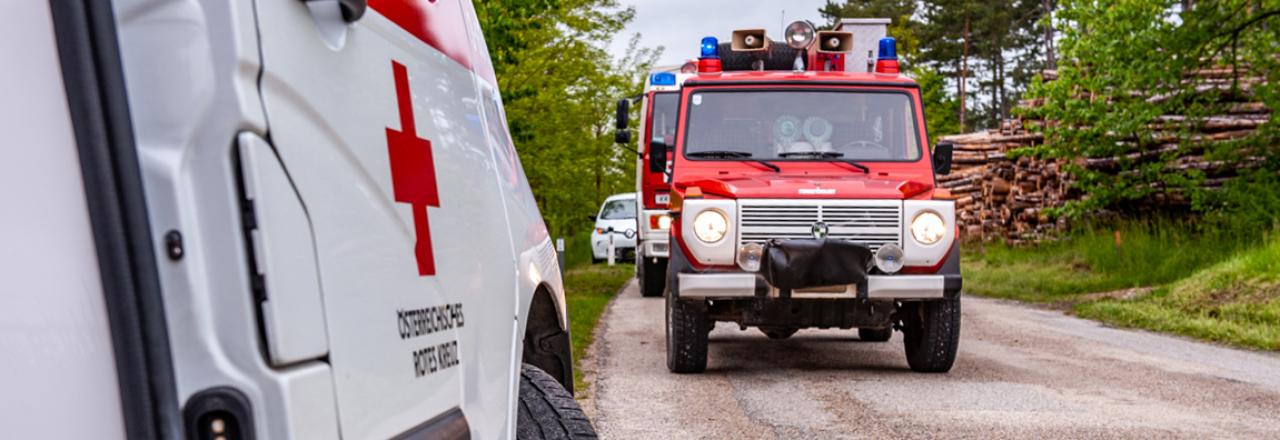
(1021, 372)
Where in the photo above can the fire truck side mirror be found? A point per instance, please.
(942, 157)
(657, 156)
(624, 113)
(622, 137)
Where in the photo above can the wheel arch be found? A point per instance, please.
(546, 337)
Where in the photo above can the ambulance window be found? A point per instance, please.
(624, 209)
(803, 124)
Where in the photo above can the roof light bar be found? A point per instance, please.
(662, 79)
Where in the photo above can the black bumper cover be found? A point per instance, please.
(801, 264)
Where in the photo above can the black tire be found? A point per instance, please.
(779, 332)
(931, 334)
(781, 57)
(875, 334)
(687, 328)
(595, 260)
(547, 411)
(652, 276)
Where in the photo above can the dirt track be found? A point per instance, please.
(1022, 372)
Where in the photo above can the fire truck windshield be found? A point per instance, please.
(810, 125)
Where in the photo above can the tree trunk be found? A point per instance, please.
(964, 72)
(1051, 61)
(1001, 97)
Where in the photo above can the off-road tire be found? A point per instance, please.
(652, 276)
(931, 334)
(779, 332)
(687, 328)
(875, 334)
(547, 411)
(780, 57)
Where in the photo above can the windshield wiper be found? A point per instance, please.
(827, 155)
(729, 154)
(719, 153)
(817, 154)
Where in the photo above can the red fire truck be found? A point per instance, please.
(803, 195)
(658, 111)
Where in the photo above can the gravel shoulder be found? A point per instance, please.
(1021, 372)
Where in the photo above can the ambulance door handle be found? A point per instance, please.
(352, 10)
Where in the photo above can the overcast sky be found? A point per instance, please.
(679, 25)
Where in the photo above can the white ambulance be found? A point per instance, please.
(271, 219)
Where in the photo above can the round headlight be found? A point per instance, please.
(928, 228)
(710, 226)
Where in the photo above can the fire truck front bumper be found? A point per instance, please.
(832, 269)
(729, 285)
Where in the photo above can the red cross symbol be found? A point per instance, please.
(413, 171)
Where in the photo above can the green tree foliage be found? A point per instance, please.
(559, 87)
(903, 26)
(941, 110)
(1005, 42)
(1004, 48)
(1126, 63)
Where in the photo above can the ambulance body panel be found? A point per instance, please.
(345, 242)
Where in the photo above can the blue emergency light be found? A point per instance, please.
(887, 62)
(662, 79)
(710, 47)
(888, 49)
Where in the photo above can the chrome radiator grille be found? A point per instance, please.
(871, 223)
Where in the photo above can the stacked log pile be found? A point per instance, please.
(1003, 196)
(998, 196)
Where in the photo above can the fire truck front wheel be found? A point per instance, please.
(931, 334)
(687, 328)
(687, 324)
(547, 411)
(653, 276)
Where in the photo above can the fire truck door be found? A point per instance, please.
(378, 123)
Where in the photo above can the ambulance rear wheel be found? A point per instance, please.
(652, 276)
(547, 411)
(931, 334)
(875, 334)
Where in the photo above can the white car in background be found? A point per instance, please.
(617, 217)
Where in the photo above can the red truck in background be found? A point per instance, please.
(659, 108)
(803, 195)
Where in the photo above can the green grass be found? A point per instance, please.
(588, 289)
(1089, 260)
(1213, 285)
(577, 249)
(1236, 301)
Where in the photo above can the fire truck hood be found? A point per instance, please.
(792, 186)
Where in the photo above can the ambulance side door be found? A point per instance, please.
(379, 124)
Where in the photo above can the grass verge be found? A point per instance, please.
(1209, 285)
(588, 289)
(1236, 301)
